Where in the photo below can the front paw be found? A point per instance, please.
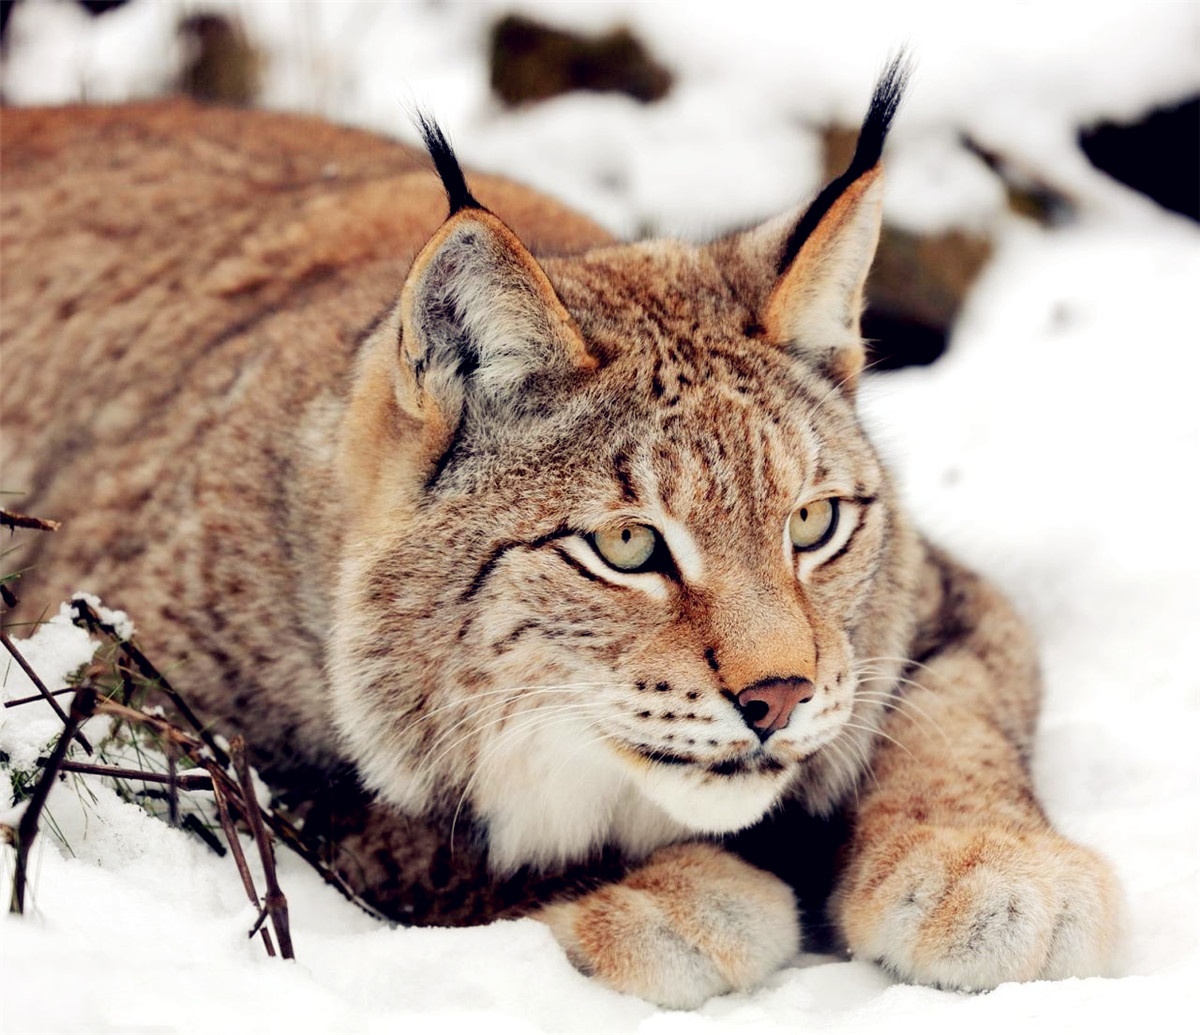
(693, 922)
(972, 908)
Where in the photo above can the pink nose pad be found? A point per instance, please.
(767, 705)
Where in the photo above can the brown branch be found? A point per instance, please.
(14, 520)
(35, 679)
(164, 727)
(282, 829)
(172, 787)
(39, 697)
(275, 901)
(81, 708)
(235, 846)
(85, 615)
(185, 781)
(262, 915)
(292, 837)
(193, 749)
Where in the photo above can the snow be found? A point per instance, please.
(1053, 448)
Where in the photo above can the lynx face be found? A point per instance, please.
(624, 547)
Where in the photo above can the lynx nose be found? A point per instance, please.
(767, 705)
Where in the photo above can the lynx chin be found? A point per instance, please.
(566, 586)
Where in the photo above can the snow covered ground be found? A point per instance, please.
(1054, 448)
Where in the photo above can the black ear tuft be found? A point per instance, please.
(884, 101)
(444, 160)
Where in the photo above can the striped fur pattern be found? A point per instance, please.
(613, 572)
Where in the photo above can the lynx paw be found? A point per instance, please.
(692, 923)
(974, 908)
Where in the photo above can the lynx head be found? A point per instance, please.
(620, 555)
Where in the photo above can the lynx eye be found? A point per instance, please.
(813, 525)
(627, 548)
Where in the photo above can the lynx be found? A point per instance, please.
(569, 587)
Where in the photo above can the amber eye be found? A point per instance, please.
(813, 524)
(626, 548)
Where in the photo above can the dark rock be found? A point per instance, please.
(895, 341)
(100, 6)
(6, 7)
(222, 66)
(1029, 194)
(532, 62)
(1158, 155)
(915, 291)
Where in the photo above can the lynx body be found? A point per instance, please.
(582, 563)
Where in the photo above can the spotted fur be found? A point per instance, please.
(361, 526)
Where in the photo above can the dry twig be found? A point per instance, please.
(235, 846)
(12, 519)
(185, 781)
(201, 750)
(172, 788)
(275, 901)
(38, 697)
(81, 708)
(87, 617)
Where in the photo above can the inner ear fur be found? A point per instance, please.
(815, 306)
(478, 316)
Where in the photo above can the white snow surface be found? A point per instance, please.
(1054, 448)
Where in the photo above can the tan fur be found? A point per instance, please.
(694, 919)
(341, 462)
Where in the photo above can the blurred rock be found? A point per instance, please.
(1159, 155)
(6, 7)
(222, 66)
(917, 284)
(531, 62)
(1029, 194)
(915, 291)
(100, 6)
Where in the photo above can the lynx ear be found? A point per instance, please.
(816, 302)
(478, 315)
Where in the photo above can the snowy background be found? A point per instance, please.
(1054, 447)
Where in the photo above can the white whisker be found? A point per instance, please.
(910, 709)
(838, 750)
(547, 688)
(903, 661)
(874, 731)
(429, 764)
